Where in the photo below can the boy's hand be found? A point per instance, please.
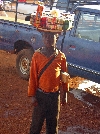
(34, 102)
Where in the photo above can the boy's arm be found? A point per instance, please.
(32, 87)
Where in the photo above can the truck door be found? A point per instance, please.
(82, 47)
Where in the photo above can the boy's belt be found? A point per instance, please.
(40, 90)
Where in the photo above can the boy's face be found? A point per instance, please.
(49, 39)
(46, 41)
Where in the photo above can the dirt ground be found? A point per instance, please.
(16, 107)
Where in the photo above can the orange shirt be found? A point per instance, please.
(50, 79)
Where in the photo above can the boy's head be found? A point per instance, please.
(49, 39)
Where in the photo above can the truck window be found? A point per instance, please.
(89, 27)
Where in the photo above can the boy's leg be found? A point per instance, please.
(38, 115)
(52, 114)
(37, 120)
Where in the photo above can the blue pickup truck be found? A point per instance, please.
(81, 44)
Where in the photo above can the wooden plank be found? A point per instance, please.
(13, 19)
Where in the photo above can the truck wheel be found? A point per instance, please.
(23, 61)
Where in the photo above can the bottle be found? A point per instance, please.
(43, 21)
(66, 24)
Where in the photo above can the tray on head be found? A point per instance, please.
(49, 30)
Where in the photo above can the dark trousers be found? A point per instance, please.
(48, 108)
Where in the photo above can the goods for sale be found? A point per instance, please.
(51, 20)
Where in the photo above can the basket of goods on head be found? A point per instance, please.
(51, 20)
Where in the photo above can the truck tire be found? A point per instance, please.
(23, 61)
